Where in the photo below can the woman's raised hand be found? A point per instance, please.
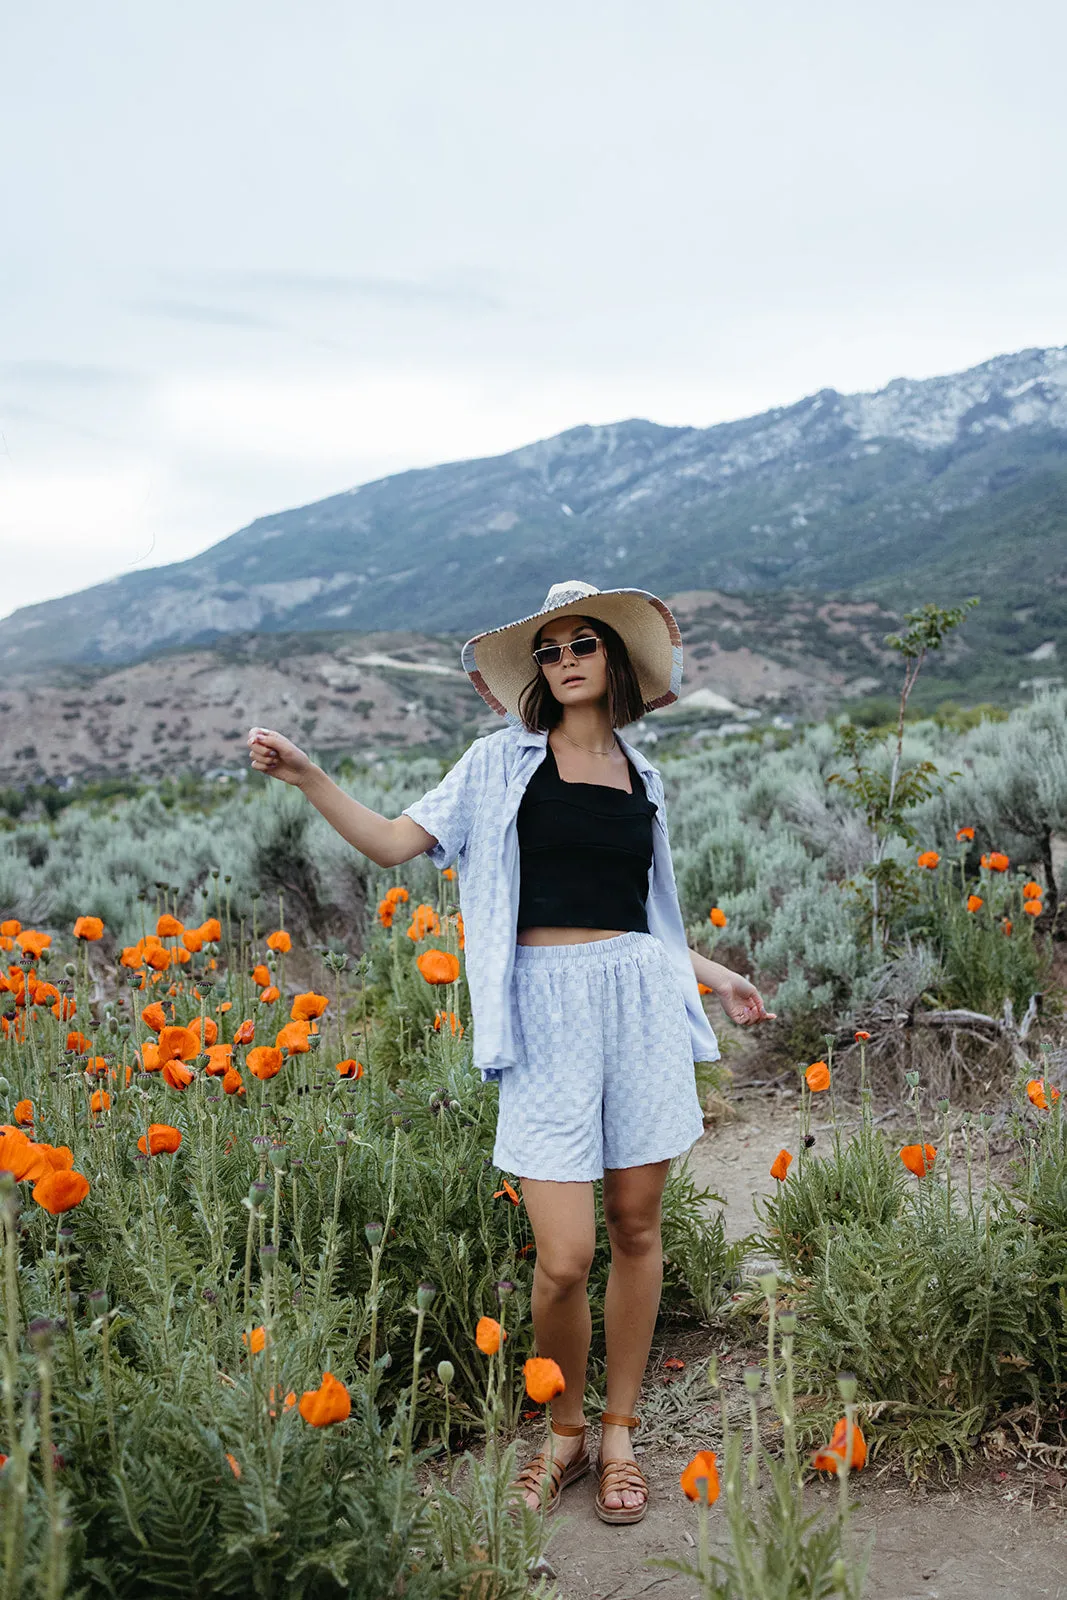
(278, 756)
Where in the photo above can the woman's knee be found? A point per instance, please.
(564, 1270)
(635, 1231)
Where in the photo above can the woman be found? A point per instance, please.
(583, 990)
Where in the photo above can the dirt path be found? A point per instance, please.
(1004, 1538)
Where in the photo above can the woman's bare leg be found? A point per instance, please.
(632, 1200)
(564, 1225)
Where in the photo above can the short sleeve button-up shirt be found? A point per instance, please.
(472, 815)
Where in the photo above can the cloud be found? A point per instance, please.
(210, 316)
(462, 290)
(44, 374)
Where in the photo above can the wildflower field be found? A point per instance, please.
(265, 1301)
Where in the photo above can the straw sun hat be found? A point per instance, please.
(499, 664)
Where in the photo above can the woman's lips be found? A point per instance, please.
(573, 679)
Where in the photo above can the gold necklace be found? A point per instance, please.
(585, 746)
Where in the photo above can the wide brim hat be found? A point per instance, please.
(499, 664)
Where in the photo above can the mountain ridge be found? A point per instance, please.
(875, 493)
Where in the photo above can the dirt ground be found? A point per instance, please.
(1000, 1536)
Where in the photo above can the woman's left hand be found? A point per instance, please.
(742, 1001)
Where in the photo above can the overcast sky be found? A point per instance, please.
(256, 252)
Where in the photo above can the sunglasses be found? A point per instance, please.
(549, 654)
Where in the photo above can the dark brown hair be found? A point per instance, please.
(541, 711)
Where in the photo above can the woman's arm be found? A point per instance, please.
(740, 999)
(387, 842)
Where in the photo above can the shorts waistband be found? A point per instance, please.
(590, 953)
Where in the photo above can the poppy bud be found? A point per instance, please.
(504, 1288)
(846, 1385)
(942, 1106)
(446, 1372)
(787, 1322)
(70, 969)
(40, 1333)
(277, 1157)
(209, 1296)
(424, 1295)
(374, 1231)
(809, 1140)
(753, 1379)
(912, 1079)
(260, 1143)
(98, 1301)
(396, 1119)
(268, 1254)
(257, 1193)
(768, 1282)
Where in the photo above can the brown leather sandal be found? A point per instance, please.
(537, 1470)
(618, 1474)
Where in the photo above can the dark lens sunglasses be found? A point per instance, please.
(549, 654)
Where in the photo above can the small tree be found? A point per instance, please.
(884, 795)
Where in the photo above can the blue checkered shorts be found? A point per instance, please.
(605, 1070)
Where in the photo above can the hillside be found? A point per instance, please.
(925, 489)
(189, 709)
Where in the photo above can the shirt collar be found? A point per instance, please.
(526, 738)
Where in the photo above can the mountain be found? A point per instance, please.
(925, 489)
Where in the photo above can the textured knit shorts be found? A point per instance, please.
(604, 1075)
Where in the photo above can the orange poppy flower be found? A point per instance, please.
(157, 958)
(350, 1069)
(99, 1101)
(928, 859)
(31, 943)
(64, 1009)
(79, 1043)
(24, 1113)
(150, 1056)
(264, 1062)
(175, 1076)
(424, 922)
(717, 917)
(163, 1140)
(918, 1158)
(974, 901)
(232, 1083)
(832, 1459)
(89, 928)
(169, 927)
(817, 1077)
(395, 894)
(1032, 908)
(280, 941)
(211, 1030)
(95, 1066)
(11, 927)
(1032, 890)
(438, 966)
(544, 1380)
(780, 1165)
(58, 1192)
(235, 1465)
(178, 1044)
(449, 1018)
(489, 1336)
(132, 954)
(153, 1016)
(327, 1404)
(219, 1060)
(193, 940)
(1038, 1094)
(306, 1007)
(861, 1033)
(211, 931)
(700, 1480)
(245, 1033)
(509, 1191)
(704, 988)
(23, 1159)
(385, 913)
(270, 995)
(294, 1038)
(1006, 925)
(58, 1157)
(261, 975)
(964, 833)
(257, 1341)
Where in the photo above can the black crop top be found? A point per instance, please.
(585, 852)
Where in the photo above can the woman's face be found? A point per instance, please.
(575, 680)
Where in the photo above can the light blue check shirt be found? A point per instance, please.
(472, 815)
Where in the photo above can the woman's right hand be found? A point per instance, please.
(277, 756)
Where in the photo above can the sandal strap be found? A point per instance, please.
(615, 1419)
(534, 1472)
(568, 1430)
(617, 1474)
